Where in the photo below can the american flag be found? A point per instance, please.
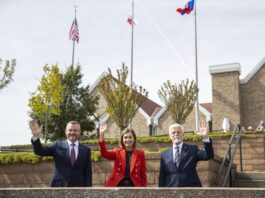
(74, 32)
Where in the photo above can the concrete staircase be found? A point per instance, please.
(250, 179)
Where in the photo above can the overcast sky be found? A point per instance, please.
(36, 32)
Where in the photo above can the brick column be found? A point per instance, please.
(225, 92)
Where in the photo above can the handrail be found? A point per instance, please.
(230, 157)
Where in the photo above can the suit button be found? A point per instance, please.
(117, 174)
(119, 169)
(136, 176)
(120, 163)
(136, 165)
(136, 170)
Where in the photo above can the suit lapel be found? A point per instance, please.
(170, 159)
(65, 146)
(133, 159)
(80, 153)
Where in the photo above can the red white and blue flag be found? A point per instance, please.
(74, 32)
(187, 8)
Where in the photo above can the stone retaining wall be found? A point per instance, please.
(38, 175)
(134, 192)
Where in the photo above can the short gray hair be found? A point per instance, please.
(176, 125)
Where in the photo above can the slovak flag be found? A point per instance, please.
(130, 20)
(187, 8)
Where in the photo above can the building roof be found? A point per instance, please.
(150, 107)
(253, 71)
(207, 106)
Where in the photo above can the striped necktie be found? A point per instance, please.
(176, 155)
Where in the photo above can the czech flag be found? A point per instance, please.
(187, 8)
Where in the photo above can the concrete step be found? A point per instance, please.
(249, 183)
(250, 179)
(250, 175)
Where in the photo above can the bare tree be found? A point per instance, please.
(7, 72)
(122, 101)
(180, 99)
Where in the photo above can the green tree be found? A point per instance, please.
(122, 101)
(47, 98)
(78, 104)
(7, 72)
(180, 99)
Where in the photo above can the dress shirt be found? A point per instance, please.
(76, 143)
(207, 140)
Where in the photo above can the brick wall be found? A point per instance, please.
(225, 90)
(38, 175)
(252, 95)
(253, 152)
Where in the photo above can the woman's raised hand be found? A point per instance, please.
(102, 129)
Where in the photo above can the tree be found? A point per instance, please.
(122, 101)
(7, 72)
(180, 99)
(78, 104)
(46, 100)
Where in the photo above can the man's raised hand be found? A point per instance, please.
(35, 129)
(203, 131)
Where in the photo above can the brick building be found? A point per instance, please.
(241, 101)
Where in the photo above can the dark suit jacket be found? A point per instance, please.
(65, 175)
(185, 174)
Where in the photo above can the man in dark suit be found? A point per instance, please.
(178, 163)
(72, 159)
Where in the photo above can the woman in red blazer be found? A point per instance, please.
(129, 163)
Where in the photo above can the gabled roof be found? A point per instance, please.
(202, 109)
(96, 83)
(149, 106)
(207, 106)
(253, 71)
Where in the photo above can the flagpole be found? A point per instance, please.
(73, 53)
(132, 39)
(196, 70)
(132, 24)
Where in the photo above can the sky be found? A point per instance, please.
(36, 32)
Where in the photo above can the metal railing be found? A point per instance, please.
(229, 158)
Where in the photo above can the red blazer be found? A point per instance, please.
(137, 166)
